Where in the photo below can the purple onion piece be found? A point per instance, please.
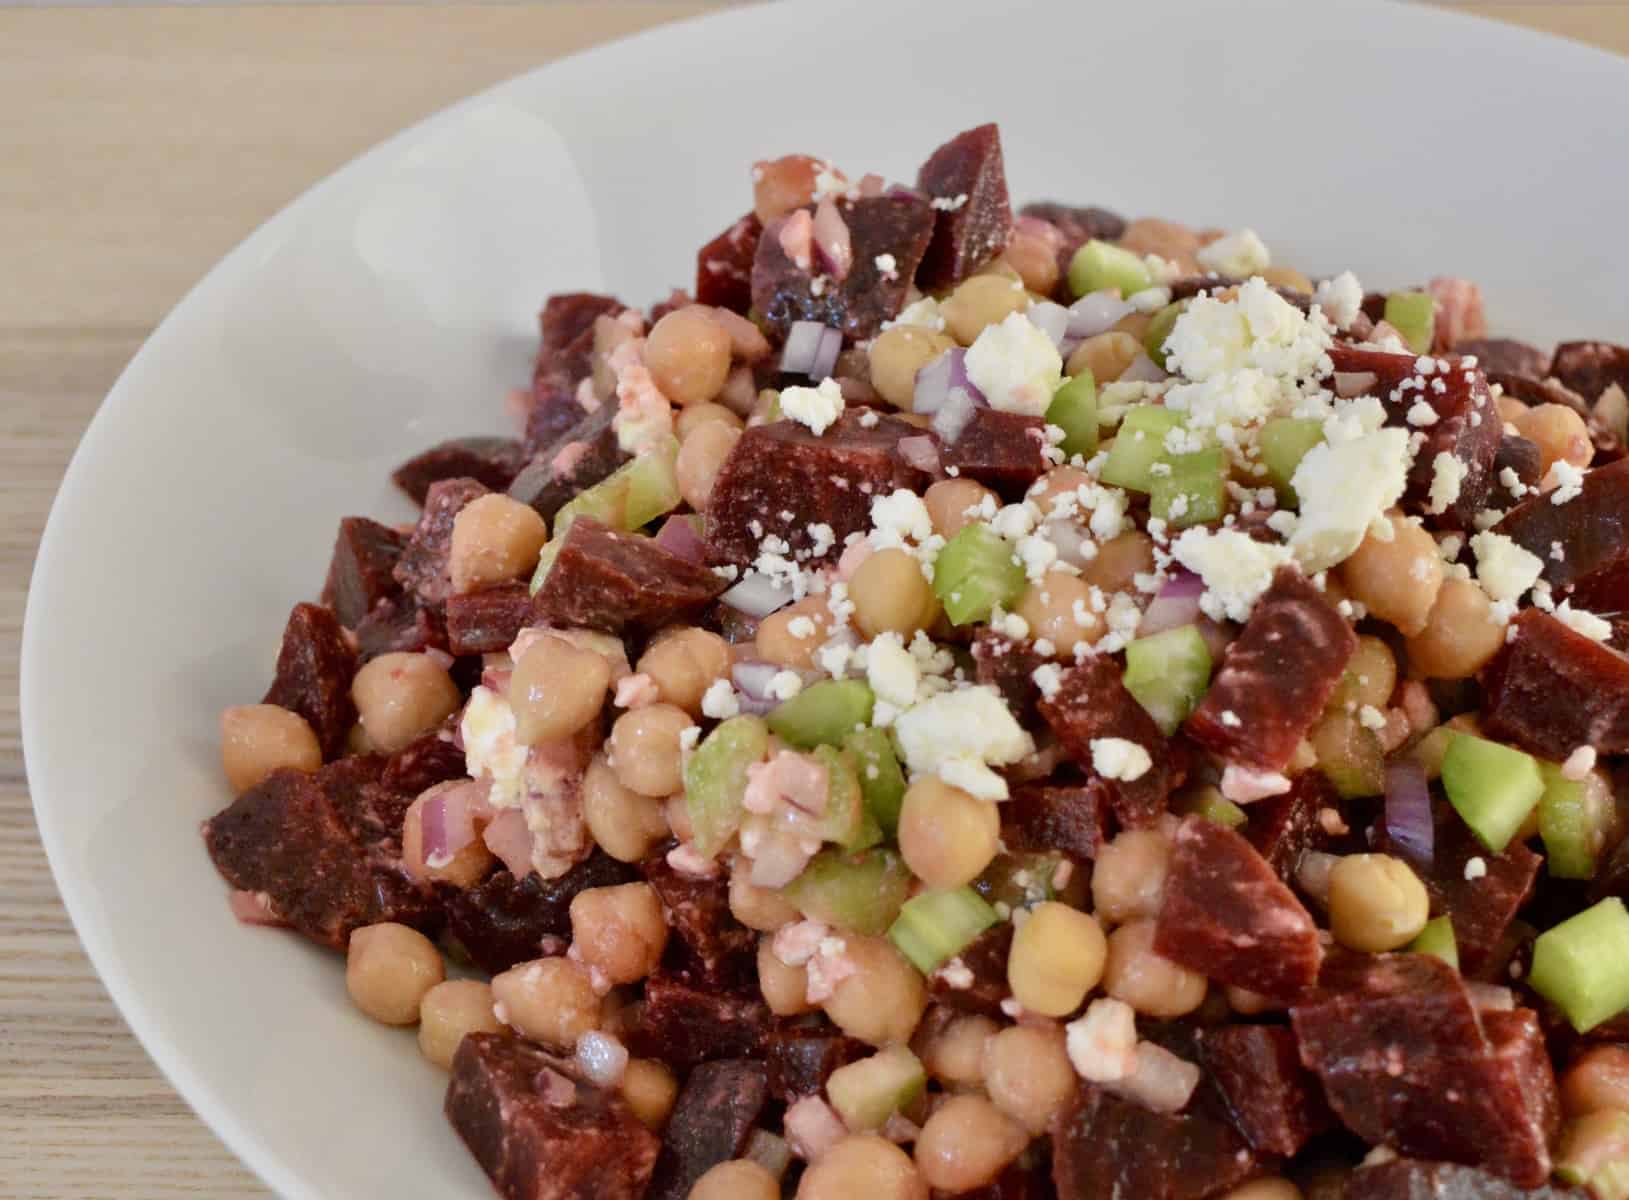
(757, 595)
(802, 344)
(1408, 812)
(1097, 312)
(1144, 370)
(933, 382)
(1051, 319)
(678, 536)
(825, 359)
(1176, 604)
(921, 452)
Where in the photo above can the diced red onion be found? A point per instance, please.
(678, 536)
(1051, 319)
(831, 345)
(954, 414)
(555, 1089)
(1490, 997)
(1143, 370)
(1070, 539)
(921, 452)
(1175, 605)
(601, 1058)
(1313, 872)
(1160, 1081)
(768, 1150)
(1408, 811)
(810, 345)
(751, 679)
(933, 382)
(1097, 312)
(447, 819)
(254, 908)
(832, 239)
(510, 838)
(757, 595)
(812, 1128)
(1354, 383)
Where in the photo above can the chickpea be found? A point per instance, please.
(1288, 277)
(399, 696)
(450, 1010)
(1128, 879)
(693, 418)
(1105, 355)
(257, 739)
(954, 1052)
(649, 1089)
(862, 1165)
(760, 908)
(557, 688)
(683, 663)
(1560, 434)
(1265, 1189)
(620, 931)
(778, 641)
(898, 354)
(785, 988)
(1000, 268)
(1371, 675)
(1599, 1080)
(966, 1143)
(688, 355)
(465, 869)
(676, 812)
(494, 539)
(1056, 958)
(1035, 259)
(623, 823)
(1399, 580)
(739, 1179)
(1250, 1004)
(739, 395)
(1376, 903)
(1055, 484)
(1119, 561)
(891, 595)
(980, 301)
(782, 184)
(701, 457)
(388, 970)
(1171, 241)
(883, 1000)
(644, 749)
(1028, 1074)
(1460, 635)
(947, 836)
(1058, 608)
(1154, 986)
(951, 503)
(550, 1000)
(1511, 410)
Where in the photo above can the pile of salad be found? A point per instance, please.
(965, 703)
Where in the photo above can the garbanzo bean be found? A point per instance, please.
(884, 998)
(1559, 433)
(388, 969)
(782, 184)
(946, 836)
(785, 988)
(790, 636)
(556, 689)
(980, 301)
(953, 1053)
(1376, 903)
(257, 739)
(1397, 581)
(1171, 241)
(1598, 1080)
(1128, 878)
(622, 822)
(1057, 957)
(1028, 1075)
(450, 1010)
(693, 418)
(760, 908)
(1035, 259)
(1265, 1189)
(650, 1089)
(688, 355)
(898, 354)
(1371, 675)
(951, 502)
(619, 931)
(1105, 355)
(1118, 562)
(1154, 986)
(494, 539)
(549, 999)
(465, 869)
(701, 458)
(644, 749)
(739, 1179)
(1058, 608)
(966, 1143)
(1459, 636)
(1056, 483)
(891, 595)
(1288, 277)
(862, 1165)
(683, 663)
(399, 696)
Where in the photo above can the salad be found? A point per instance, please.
(986, 704)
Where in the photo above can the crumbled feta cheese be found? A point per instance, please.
(1421, 413)
(1118, 758)
(1579, 763)
(1246, 785)
(959, 735)
(891, 670)
(801, 627)
(1447, 475)
(1239, 255)
(1371, 717)
(1504, 569)
(1586, 623)
(1048, 677)
(887, 266)
(1150, 299)
(487, 729)
(688, 737)
(1037, 555)
(924, 313)
(1343, 488)
(1102, 1044)
(898, 519)
(1475, 868)
(1236, 568)
(1257, 329)
(1009, 624)
(783, 685)
(1340, 298)
(1567, 480)
(719, 701)
(1016, 366)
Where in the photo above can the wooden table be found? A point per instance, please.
(141, 145)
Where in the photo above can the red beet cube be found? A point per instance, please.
(1002, 449)
(1067, 817)
(986, 961)
(1589, 368)
(487, 621)
(422, 568)
(608, 580)
(1105, 1146)
(716, 947)
(800, 1060)
(1272, 1098)
(685, 1022)
(1592, 530)
(724, 266)
(583, 454)
(717, 1110)
(1550, 690)
(494, 461)
(1091, 703)
(1009, 667)
(359, 574)
(315, 666)
(973, 217)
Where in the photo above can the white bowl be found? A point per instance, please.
(395, 303)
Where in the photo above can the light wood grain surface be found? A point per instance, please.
(139, 145)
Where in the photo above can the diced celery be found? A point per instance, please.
(1413, 314)
(934, 927)
(1138, 445)
(636, 493)
(866, 1093)
(1492, 787)
(1021, 879)
(1594, 1153)
(1099, 265)
(1437, 939)
(1349, 755)
(976, 571)
(1168, 673)
(1160, 328)
(861, 892)
(1208, 802)
(1284, 442)
(545, 560)
(882, 783)
(845, 819)
(1582, 965)
(1074, 410)
(1573, 820)
(1192, 491)
(824, 713)
(715, 780)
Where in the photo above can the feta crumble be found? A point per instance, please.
(960, 735)
(1238, 255)
(815, 407)
(1344, 487)
(1118, 758)
(1504, 569)
(1235, 567)
(719, 701)
(1016, 365)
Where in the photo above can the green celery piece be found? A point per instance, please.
(1168, 673)
(1582, 964)
(545, 560)
(1200, 479)
(844, 820)
(1594, 1153)
(1349, 755)
(976, 571)
(715, 780)
(1074, 410)
(1020, 879)
(824, 713)
(882, 783)
(861, 892)
(1437, 939)
(1492, 787)
(866, 1093)
(636, 493)
(1208, 802)
(1573, 823)
(1160, 328)
(1284, 442)
(1138, 445)
(1098, 265)
(1413, 314)
(934, 927)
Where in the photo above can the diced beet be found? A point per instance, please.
(501, 1100)
(967, 175)
(611, 581)
(583, 454)
(1505, 356)
(684, 1022)
(1284, 827)
(1103, 1146)
(494, 461)
(724, 266)
(1078, 226)
(1091, 702)
(711, 944)
(1069, 817)
(487, 621)
(345, 783)
(501, 922)
(714, 1115)
(1589, 368)
(399, 623)
(782, 292)
(784, 468)
(1521, 456)
(1411, 1179)
(422, 568)
(1229, 917)
(567, 317)
(1276, 676)
(801, 1059)
(1518, 1041)
(985, 958)
(1468, 425)
(1022, 1180)
(315, 667)
(1001, 449)
(1592, 529)
(1272, 1098)
(429, 759)
(1009, 667)
(551, 410)
(359, 574)
(286, 837)
(1550, 690)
